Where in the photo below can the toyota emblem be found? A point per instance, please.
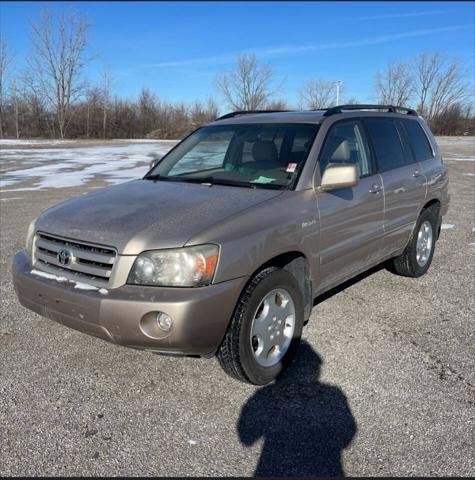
(64, 257)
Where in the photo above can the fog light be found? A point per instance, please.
(164, 321)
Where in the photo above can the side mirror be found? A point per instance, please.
(157, 158)
(339, 175)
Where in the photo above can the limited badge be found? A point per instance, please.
(291, 167)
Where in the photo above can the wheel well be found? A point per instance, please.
(297, 264)
(434, 203)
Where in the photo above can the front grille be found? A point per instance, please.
(89, 262)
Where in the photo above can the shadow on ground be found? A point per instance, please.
(305, 424)
(352, 281)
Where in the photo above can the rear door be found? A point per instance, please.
(351, 219)
(429, 161)
(403, 181)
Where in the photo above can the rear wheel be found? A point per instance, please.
(265, 329)
(417, 257)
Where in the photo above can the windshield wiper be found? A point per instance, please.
(212, 181)
(209, 180)
(217, 181)
(164, 178)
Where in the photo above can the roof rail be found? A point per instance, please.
(248, 112)
(389, 108)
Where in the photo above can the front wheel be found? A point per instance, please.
(265, 329)
(417, 257)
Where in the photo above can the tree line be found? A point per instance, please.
(52, 98)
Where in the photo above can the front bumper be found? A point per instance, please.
(125, 315)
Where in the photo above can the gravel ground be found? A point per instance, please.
(383, 385)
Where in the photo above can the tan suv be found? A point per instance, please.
(224, 245)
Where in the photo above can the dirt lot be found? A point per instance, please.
(384, 383)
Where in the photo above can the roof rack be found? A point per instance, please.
(248, 112)
(389, 108)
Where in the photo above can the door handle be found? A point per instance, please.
(416, 173)
(375, 188)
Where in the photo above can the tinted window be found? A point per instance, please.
(386, 143)
(345, 144)
(406, 145)
(418, 139)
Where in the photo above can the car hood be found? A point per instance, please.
(144, 215)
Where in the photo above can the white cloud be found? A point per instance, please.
(296, 49)
(402, 15)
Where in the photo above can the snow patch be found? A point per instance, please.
(469, 174)
(10, 198)
(38, 141)
(76, 166)
(78, 285)
(460, 158)
(143, 140)
(84, 286)
(447, 226)
(192, 442)
(465, 140)
(50, 276)
(46, 141)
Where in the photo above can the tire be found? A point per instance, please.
(408, 264)
(239, 352)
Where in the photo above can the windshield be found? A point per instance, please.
(252, 155)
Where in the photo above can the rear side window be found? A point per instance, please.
(386, 143)
(419, 142)
(406, 144)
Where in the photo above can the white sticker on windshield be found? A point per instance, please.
(291, 167)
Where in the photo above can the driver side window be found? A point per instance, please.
(345, 143)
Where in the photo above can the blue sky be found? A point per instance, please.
(177, 48)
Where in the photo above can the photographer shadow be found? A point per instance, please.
(305, 424)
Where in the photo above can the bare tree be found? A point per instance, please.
(201, 113)
(278, 104)
(316, 94)
(42, 103)
(147, 106)
(4, 62)
(93, 107)
(16, 96)
(57, 62)
(89, 104)
(248, 86)
(427, 70)
(395, 86)
(106, 87)
(440, 83)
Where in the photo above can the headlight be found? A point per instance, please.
(181, 267)
(30, 236)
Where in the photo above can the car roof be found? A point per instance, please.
(314, 116)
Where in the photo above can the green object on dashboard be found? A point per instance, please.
(262, 179)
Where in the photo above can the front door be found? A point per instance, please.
(351, 219)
